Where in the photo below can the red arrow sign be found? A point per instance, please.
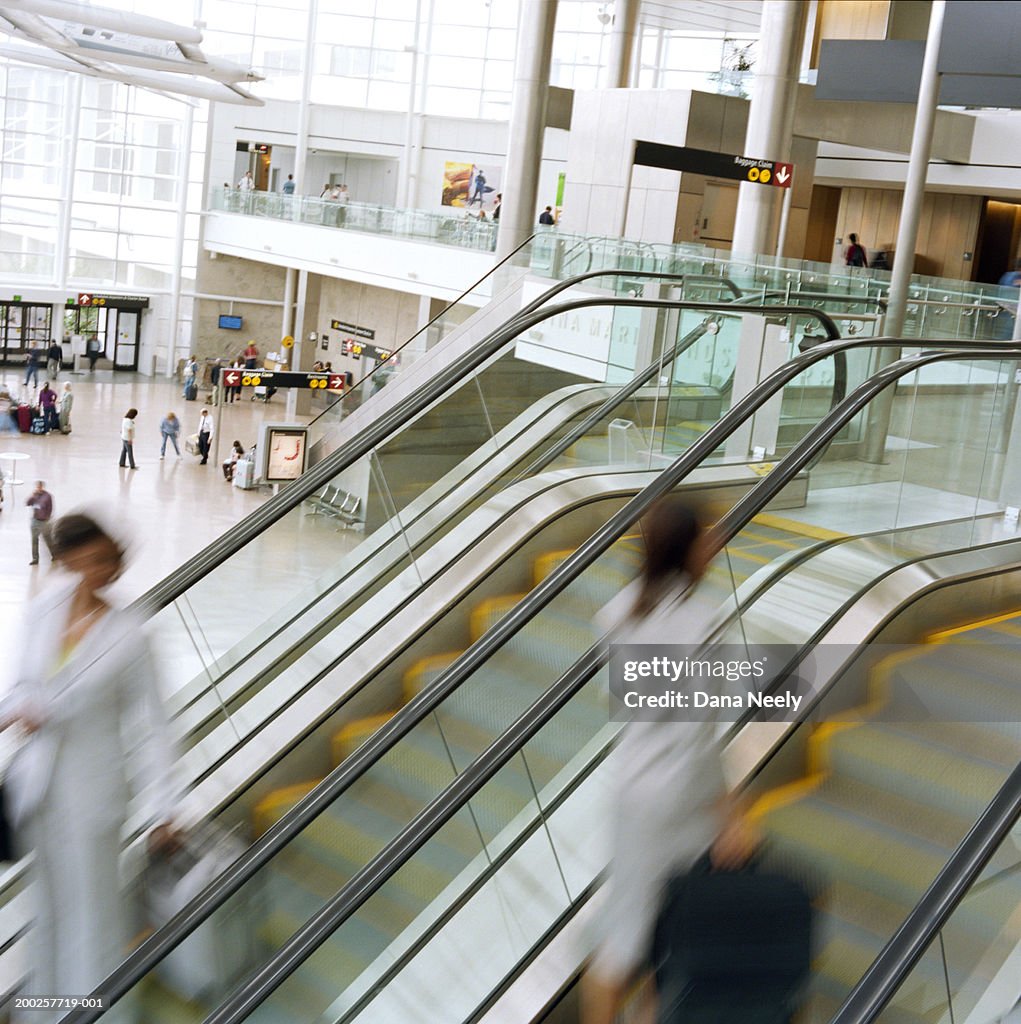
(783, 175)
(231, 378)
(84, 299)
(336, 382)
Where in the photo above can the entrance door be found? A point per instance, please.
(125, 356)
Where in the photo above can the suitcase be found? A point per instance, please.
(244, 475)
(732, 945)
(24, 418)
(191, 392)
(38, 425)
(191, 445)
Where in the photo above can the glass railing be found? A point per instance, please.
(456, 227)
(528, 841)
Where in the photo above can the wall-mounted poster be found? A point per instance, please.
(471, 186)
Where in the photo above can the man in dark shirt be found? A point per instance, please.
(32, 366)
(54, 357)
(546, 217)
(41, 503)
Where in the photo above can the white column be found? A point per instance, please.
(770, 119)
(72, 119)
(183, 174)
(527, 123)
(404, 197)
(294, 360)
(287, 319)
(880, 408)
(617, 74)
(305, 103)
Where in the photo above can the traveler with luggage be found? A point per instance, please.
(671, 803)
(237, 453)
(191, 369)
(85, 698)
(48, 407)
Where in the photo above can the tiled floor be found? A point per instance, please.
(168, 509)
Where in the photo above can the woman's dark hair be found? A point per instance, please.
(670, 529)
(74, 531)
(853, 237)
(239, 447)
(131, 414)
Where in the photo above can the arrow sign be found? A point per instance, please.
(231, 378)
(714, 165)
(336, 382)
(783, 175)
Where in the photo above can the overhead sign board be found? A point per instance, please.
(254, 378)
(358, 332)
(120, 301)
(714, 165)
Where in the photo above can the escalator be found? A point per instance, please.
(565, 753)
(217, 746)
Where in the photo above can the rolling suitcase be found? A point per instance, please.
(732, 945)
(244, 475)
(191, 392)
(39, 425)
(24, 418)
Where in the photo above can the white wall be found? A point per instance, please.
(339, 134)
(418, 268)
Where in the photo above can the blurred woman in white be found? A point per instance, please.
(85, 685)
(671, 802)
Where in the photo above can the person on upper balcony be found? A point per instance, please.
(855, 255)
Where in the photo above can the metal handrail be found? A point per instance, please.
(146, 956)
(367, 881)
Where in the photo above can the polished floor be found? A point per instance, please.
(167, 510)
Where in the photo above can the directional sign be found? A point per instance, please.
(287, 341)
(84, 299)
(714, 165)
(283, 379)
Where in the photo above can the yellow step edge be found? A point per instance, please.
(412, 682)
(546, 563)
(793, 526)
(993, 620)
(354, 734)
(272, 806)
(486, 610)
(817, 755)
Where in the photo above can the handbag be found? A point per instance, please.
(732, 945)
(204, 965)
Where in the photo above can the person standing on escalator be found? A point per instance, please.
(671, 802)
(85, 702)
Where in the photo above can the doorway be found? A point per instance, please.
(125, 353)
(999, 239)
(719, 211)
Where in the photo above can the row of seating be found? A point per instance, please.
(336, 503)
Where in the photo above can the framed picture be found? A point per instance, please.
(285, 454)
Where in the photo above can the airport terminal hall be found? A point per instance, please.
(510, 512)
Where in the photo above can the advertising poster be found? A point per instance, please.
(471, 186)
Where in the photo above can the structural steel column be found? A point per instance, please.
(527, 123)
(907, 231)
(305, 104)
(294, 359)
(617, 74)
(176, 270)
(770, 119)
